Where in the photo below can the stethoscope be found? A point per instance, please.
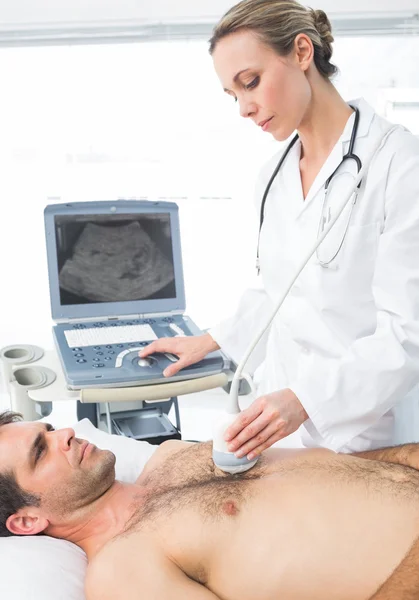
(324, 219)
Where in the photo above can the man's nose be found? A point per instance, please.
(64, 437)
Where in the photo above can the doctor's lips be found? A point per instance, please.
(264, 124)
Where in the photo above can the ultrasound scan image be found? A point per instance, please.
(116, 262)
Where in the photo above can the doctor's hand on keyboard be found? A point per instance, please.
(190, 350)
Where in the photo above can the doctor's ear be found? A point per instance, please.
(304, 51)
(26, 521)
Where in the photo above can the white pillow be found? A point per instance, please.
(42, 568)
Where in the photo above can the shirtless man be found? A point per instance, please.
(301, 525)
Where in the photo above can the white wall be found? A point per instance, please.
(102, 122)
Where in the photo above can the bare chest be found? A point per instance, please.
(189, 482)
(322, 516)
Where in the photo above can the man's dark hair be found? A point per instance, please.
(12, 496)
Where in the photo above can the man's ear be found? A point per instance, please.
(27, 521)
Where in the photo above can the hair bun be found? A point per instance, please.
(323, 26)
(322, 23)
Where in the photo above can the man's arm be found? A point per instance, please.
(406, 455)
(404, 582)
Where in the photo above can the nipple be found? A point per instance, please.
(230, 508)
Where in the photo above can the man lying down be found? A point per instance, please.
(301, 525)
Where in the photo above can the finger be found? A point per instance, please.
(157, 346)
(245, 417)
(176, 367)
(278, 435)
(252, 431)
(256, 441)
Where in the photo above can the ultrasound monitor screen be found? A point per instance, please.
(114, 258)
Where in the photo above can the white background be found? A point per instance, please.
(148, 120)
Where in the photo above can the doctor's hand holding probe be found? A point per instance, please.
(338, 245)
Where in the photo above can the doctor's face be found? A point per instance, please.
(271, 90)
(65, 472)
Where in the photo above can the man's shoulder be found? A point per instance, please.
(119, 565)
(104, 571)
(145, 571)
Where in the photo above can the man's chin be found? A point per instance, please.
(98, 474)
(106, 466)
(93, 454)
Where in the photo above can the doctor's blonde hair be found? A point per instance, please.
(277, 23)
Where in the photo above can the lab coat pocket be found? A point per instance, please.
(358, 248)
(358, 254)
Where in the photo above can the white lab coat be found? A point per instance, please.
(346, 339)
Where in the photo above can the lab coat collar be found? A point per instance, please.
(366, 115)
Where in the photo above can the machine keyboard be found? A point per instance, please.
(96, 336)
(106, 353)
(104, 356)
(108, 345)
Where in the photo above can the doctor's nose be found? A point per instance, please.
(247, 109)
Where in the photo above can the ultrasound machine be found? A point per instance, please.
(116, 284)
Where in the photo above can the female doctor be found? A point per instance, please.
(344, 348)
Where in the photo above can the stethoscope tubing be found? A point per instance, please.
(350, 155)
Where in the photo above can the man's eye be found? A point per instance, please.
(254, 83)
(39, 451)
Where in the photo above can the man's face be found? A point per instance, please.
(66, 473)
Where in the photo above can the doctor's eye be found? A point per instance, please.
(254, 83)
